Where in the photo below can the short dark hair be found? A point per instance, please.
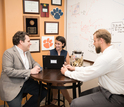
(103, 33)
(62, 40)
(19, 35)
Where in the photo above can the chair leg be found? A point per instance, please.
(63, 101)
(58, 97)
(79, 89)
(46, 100)
(26, 98)
(4, 103)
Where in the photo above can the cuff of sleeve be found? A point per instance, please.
(77, 68)
(67, 73)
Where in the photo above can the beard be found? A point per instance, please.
(98, 49)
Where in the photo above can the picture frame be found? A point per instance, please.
(35, 45)
(44, 10)
(31, 25)
(47, 42)
(56, 2)
(31, 6)
(51, 28)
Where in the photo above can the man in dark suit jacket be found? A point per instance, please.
(17, 65)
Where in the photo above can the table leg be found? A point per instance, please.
(40, 89)
(74, 90)
(49, 93)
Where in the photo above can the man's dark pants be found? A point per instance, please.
(32, 87)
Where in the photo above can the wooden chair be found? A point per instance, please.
(24, 95)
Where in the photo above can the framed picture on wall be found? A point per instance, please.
(31, 6)
(56, 2)
(51, 28)
(31, 25)
(35, 45)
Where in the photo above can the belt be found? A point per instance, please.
(108, 93)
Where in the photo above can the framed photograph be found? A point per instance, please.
(35, 45)
(51, 28)
(31, 6)
(56, 2)
(31, 25)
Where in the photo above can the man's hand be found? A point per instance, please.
(69, 67)
(35, 70)
(63, 69)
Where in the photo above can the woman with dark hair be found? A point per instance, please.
(60, 43)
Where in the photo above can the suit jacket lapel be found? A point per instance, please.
(17, 53)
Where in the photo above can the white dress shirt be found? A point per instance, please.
(24, 57)
(109, 67)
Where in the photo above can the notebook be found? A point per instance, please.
(52, 62)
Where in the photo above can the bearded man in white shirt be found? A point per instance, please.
(17, 66)
(108, 67)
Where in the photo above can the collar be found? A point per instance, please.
(20, 50)
(60, 51)
(108, 48)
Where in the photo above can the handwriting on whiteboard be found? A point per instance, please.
(118, 27)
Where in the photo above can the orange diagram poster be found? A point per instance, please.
(47, 42)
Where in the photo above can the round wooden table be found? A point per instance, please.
(50, 76)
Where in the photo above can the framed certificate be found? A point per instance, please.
(56, 2)
(51, 28)
(35, 45)
(31, 25)
(31, 7)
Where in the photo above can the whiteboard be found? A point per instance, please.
(84, 17)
